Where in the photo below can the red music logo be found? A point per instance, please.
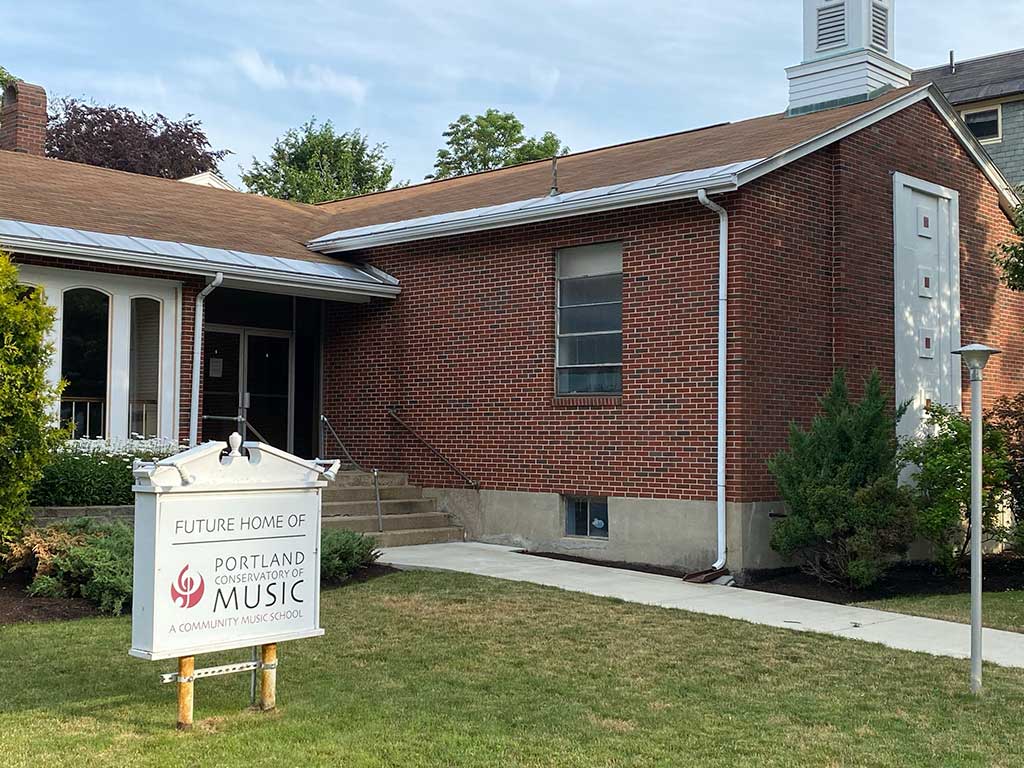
(187, 591)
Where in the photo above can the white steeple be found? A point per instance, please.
(848, 54)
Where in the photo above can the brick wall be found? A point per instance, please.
(916, 142)
(190, 287)
(467, 351)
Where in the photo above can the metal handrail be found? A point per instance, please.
(238, 420)
(323, 448)
(392, 412)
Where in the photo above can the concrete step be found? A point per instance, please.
(387, 492)
(369, 508)
(413, 536)
(353, 479)
(368, 523)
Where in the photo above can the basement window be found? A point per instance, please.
(586, 516)
(986, 124)
(588, 355)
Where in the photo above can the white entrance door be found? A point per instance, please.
(927, 300)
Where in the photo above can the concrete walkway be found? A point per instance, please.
(911, 633)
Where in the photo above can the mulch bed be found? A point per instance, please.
(1001, 573)
(16, 605)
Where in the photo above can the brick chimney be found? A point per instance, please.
(23, 119)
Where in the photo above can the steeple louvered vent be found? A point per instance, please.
(880, 27)
(831, 26)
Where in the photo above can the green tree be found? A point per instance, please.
(5, 79)
(846, 513)
(313, 164)
(1010, 255)
(28, 434)
(942, 482)
(488, 141)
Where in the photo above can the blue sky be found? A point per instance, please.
(596, 73)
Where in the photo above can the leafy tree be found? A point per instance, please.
(6, 78)
(1007, 416)
(1011, 253)
(942, 482)
(118, 138)
(488, 141)
(846, 512)
(28, 434)
(313, 164)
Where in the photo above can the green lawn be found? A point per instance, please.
(1000, 610)
(432, 669)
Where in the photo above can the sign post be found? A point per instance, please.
(227, 555)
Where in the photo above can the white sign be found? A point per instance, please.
(227, 550)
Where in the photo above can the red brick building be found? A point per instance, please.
(600, 359)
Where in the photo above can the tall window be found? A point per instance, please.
(589, 320)
(144, 368)
(83, 360)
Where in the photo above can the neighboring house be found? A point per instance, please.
(989, 94)
(577, 352)
(210, 179)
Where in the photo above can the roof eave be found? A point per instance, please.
(340, 243)
(239, 276)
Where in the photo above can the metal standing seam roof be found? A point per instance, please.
(520, 211)
(244, 266)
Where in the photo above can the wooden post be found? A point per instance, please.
(268, 677)
(186, 691)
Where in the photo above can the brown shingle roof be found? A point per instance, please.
(57, 193)
(687, 151)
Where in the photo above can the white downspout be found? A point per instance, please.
(723, 346)
(197, 358)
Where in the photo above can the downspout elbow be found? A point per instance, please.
(197, 358)
(722, 371)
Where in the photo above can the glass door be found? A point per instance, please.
(267, 389)
(222, 383)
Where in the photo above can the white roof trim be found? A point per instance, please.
(240, 269)
(647, 191)
(674, 186)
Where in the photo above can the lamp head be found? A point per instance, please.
(975, 356)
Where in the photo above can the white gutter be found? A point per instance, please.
(197, 358)
(277, 275)
(723, 348)
(641, 192)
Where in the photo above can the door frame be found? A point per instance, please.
(901, 201)
(244, 332)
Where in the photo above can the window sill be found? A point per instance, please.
(587, 401)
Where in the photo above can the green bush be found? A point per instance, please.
(27, 430)
(847, 516)
(941, 467)
(344, 552)
(79, 558)
(86, 473)
(1007, 416)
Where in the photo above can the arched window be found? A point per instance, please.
(85, 342)
(144, 368)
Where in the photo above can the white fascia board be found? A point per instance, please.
(1008, 198)
(252, 271)
(640, 192)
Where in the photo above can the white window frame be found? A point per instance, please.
(998, 109)
(121, 289)
(558, 329)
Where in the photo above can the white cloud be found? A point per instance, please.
(319, 79)
(313, 78)
(263, 73)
